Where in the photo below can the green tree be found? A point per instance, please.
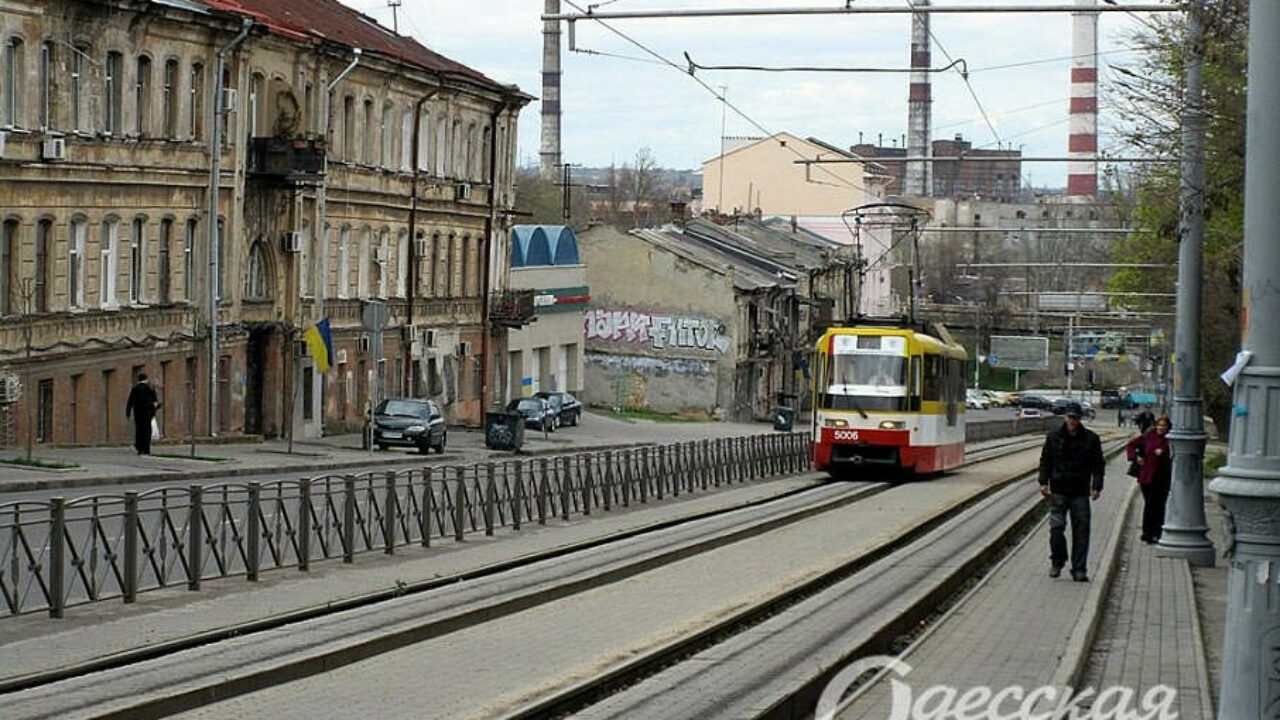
(1149, 95)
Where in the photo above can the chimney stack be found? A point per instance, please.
(916, 182)
(550, 154)
(1082, 140)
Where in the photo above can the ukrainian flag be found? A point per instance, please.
(320, 345)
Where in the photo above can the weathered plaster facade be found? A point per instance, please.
(113, 238)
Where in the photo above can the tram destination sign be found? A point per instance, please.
(1019, 352)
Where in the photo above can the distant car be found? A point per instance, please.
(537, 413)
(1034, 401)
(1059, 405)
(1088, 409)
(566, 407)
(975, 400)
(409, 422)
(1111, 399)
(996, 399)
(1028, 413)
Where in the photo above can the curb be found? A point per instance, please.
(1197, 642)
(96, 481)
(1076, 654)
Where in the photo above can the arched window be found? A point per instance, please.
(195, 105)
(402, 263)
(43, 268)
(382, 262)
(9, 304)
(164, 266)
(79, 91)
(188, 262)
(13, 84)
(437, 250)
(451, 275)
(348, 128)
(169, 103)
(142, 97)
(344, 262)
(305, 259)
(222, 260)
(442, 145)
(137, 260)
(471, 172)
(457, 154)
(424, 142)
(365, 263)
(406, 140)
(76, 263)
(370, 133)
(388, 137)
(44, 78)
(258, 283)
(257, 104)
(466, 266)
(114, 93)
(108, 251)
(482, 174)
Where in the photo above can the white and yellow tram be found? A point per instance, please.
(888, 396)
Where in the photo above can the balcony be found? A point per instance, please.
(511, 308)
(290, 160)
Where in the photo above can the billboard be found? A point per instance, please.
(1071, 301)
(1019, 352)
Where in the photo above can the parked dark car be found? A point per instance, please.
(536, 411)
(566, 407)
(409, 422)
(1034, 401)
(1111, 399)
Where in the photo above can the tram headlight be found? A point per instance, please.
(837, 422)
(893, 425)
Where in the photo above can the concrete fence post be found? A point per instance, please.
(517, 494)
(253, 532)
(608, 480)
(389, 514)
(543, 491)
(566, 487)
(490, 492)
(57, 556)
(427, 505)
(627, 478)
(195, 536)
(129, 588)
(584, 476)
(348, 519)
(646, 474)
(704, 463)
(459, 502)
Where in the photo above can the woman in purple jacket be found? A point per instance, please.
(1151, 451)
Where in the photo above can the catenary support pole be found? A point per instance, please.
(1185, 532)
(1249, 485)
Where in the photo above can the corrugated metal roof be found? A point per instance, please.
(329, 20)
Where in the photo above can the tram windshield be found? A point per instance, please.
(849, 372)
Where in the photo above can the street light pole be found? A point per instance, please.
(1185, 532)
(1249, 485)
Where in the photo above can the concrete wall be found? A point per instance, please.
(661, 330)
(764, 175)
(992, 429)
(547, 355)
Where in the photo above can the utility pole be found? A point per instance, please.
(29, 397)
(395, 18)
(566, 195)
(1249, 485)
(1185, 529)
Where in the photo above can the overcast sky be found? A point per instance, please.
(613, 107)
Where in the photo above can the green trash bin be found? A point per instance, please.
(503, 431)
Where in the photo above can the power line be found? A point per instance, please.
(719, 96)
(693, 65)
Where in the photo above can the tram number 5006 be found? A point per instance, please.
(847, 435)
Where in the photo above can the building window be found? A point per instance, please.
(8, 269)
(348, 128)
(402, 262)
(75, 264)
(434, 265)
(45, 79)
(195, 107)
(188, 262)
(221, 252)
(137, 260)
(304, 263)
(366, 261)
(44, 411)
(73, 406)
(107, 266)
(366, 151)
(44, 241)
(170, 101)
(255, 98)
(258, 288)
(451, 275)
(142, 97)
(79, 116)
(164, 272)
(466, 266)
(308, 107)
(406, 140)
(472, 168)
(344, 262)
(381, 263)
(14, 83)
(308, 394)
(485, 149)
(442, 145)
(387, 136)
(114, 92)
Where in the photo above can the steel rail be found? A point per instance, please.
(507, 602)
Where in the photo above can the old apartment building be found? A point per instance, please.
(114, 260)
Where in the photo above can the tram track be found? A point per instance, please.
(248, 657)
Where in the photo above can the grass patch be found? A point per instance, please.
(180, 456)
(38, 463)
(1213, 464)
(642, 414)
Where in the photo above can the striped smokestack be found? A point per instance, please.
(550, 151)
(916, 181)
(1082, 141)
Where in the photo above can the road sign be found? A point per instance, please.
(1018, 352)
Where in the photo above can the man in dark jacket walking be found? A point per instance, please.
(1071, 470)
(142, 406)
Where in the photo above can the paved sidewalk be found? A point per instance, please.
(1018, 626)
(121, 465)
(1150, 633)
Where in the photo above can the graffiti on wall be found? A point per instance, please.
(649, 366)
(659, 332)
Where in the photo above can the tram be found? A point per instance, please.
(888, 396)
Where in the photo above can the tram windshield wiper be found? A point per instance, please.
(853, 400)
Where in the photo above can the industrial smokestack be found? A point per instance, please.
(1082, 140)
(550, 154)
(916, 182)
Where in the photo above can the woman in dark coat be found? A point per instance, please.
(1151, 451)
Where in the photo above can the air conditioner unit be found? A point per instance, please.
(291, 242)
(420, 247)
(54, 149)
(462, 191)
(228, 99)
(10, 389)
(364, 343)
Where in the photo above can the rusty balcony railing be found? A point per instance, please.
(511, 308)
(61, 553)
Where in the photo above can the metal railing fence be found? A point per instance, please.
(60, 553)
